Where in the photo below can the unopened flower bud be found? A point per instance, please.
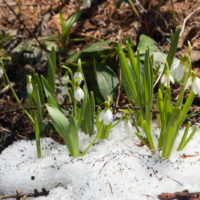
(29, 88)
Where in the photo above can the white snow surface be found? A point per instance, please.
(116, 168)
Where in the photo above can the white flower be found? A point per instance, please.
(106, 116)
(178, 69)
(166, 79)
(29, 88)
(179, 72)
(1, 72)
(78, 94)
(65, 79)
(78, 77)
(86, 3)
(196, 86)
(188, 83)
(64, 91)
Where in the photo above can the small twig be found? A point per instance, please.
(186, 19)
(29, 32)
(175, 180)
(119, 89)
(19, 195)
(180, 195)
(106, 164)
(110, 187)
(6, 88)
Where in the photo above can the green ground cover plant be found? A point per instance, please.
(147, 74)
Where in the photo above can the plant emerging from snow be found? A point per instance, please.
(140, 91)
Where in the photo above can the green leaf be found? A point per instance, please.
(107, 81)
(67, 129)
(47, 89)
(96, 47)
(174, 44)
(52, 70)
(66, 26)
(145, 43)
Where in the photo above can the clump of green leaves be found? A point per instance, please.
(139, 82)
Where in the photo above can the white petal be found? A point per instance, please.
(101, 116)
(1, 72)
(65, 79)
(171, 79)
(189, 83)
(29, 88)
(164, 80)
(106, 116)
(196, 86)
(175, 64)
(179, 72)
(78, 77)
(86, 3)
(64, 91)
(79, 94)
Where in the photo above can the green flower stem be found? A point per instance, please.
(15, 95)
(37, 138)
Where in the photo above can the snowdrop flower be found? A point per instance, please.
(196, 86)
(106, 116)
(29, 88)
(1, 72)
(78, 77)
(166, 79)
(78, 94)
(179, 72)
(86, 3)
(64, 91)
(188, 83)
(65, 79)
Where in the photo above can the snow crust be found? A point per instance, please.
(117, 169)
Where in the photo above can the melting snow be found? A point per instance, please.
(113, 169)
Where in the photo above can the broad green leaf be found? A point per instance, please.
(96, 47)
(107, 81)
(52, 70)
(67, 129)
(145, 42)
(47, 89)
(174, 44)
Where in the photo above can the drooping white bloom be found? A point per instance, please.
(178, 69)
(86, 3)
(106, 116)
(188, 83)
(166, 79)
(196, 86)
(78, 77)
(1, 72)
(78, 94)
(179, 72)
(65, 79)
(64, 90)
(29, 88)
